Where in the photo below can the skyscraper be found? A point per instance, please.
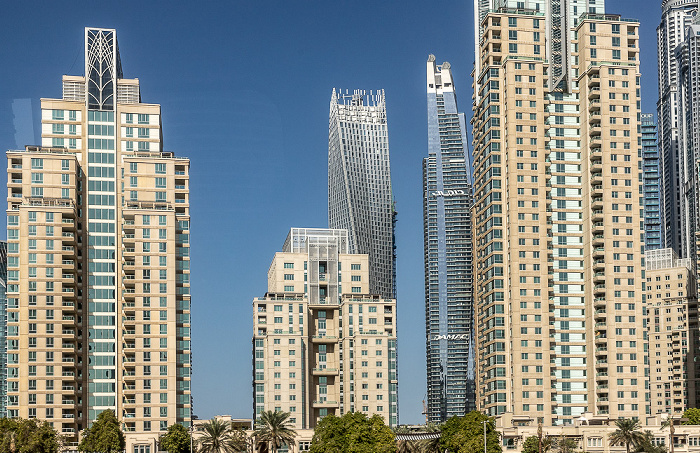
(98, 260)
(688, 98)
(676, 15)
(360, 198)
(447, 245)
(558, 222)
(652, 181)
(314, 355)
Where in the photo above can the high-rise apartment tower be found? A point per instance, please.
(676, 16)
(322, 343)
(447, 246)
(652, 181)
(558, 215)
(360, 199)
(98, 313)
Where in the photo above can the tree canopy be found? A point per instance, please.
(353, 433)
(693, 416)
(531, 445)
(466, 434)
(28, 436)
(104, 436)
(176, 440)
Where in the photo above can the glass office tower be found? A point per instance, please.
(447, 245)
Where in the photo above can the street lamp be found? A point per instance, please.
(484, 422)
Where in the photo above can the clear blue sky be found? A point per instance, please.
(245, 89)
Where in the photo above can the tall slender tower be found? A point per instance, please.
(688, 109)
(652, 187)
(676, 15)
(558, 215)
(447, 245)
(98, 260)
(360, 199)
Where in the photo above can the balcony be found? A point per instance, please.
(326, 403)
(325, 371)
(324, 339)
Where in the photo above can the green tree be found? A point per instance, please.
(353, 433)
(219, 437)
(627, 433)
(176, 440)
(272, 427)
(531, 445)
(104, 436)
(466, 434)
(693, 416)
(28, 436)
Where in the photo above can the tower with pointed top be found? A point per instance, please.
(447, 245)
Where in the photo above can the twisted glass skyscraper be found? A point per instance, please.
(447, 239)
(360, 199)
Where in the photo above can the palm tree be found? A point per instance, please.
(430, 445)
(219, 437)
(273, 427)
(669, 423)
(627, 433)
(405, 446)
(563, 445)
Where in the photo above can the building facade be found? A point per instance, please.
(672, 321)
(676, 15)
(322, 343)
(652, 183)
(558, 220)
(360, 198)
(98, 259)
(447, 245)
